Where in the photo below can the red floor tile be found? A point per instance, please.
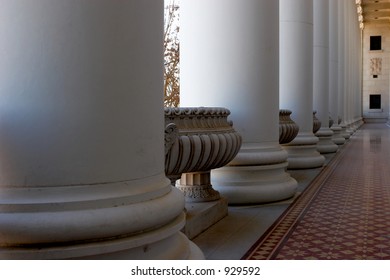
(344, 213)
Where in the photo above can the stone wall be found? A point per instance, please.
(376, 72)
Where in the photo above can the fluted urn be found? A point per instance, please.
(288, 129)
(197, 140)
(316, 123)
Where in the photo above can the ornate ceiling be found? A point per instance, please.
(375, 11)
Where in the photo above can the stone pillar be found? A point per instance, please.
(296, 80)
(342, 68)
(354, 42)
(82, 143)
(357, 110)
(229, 58)
(321, 75)
(349, 66)
(333, 71)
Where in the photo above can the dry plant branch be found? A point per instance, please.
(171, 56)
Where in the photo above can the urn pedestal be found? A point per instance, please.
(197, 140)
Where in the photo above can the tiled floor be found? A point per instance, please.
(230, 238)
(348, 219)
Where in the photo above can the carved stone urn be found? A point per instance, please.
(316, 123)
(198, 139)
(288, 129)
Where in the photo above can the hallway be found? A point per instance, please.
(84, 138)
(342, 214)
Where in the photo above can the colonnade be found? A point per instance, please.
(228, 59)
(349, 71)
(82, 122)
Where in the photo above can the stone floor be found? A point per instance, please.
(233, 236)
(345, 213)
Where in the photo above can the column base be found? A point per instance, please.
(325, 144)
(201, 216)
(254, 184)
(256, 175)
(302, 152)
(344, 132)
(137, 219)
(337, 138)
(163, 243)
(351, 129)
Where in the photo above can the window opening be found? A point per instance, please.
(375, 101)
(375, 43)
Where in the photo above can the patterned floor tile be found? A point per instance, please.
(344, 213)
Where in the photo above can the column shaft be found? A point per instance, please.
(296, 80)
(229, 58)
(321, 75)
(333, 71)
(342, 67)
(82, 149)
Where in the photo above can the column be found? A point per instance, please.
(360, 102)
(321, 75)
(357, 118)
(229, 58)
(296, 80)
(350, 49)
(81, 119)
(342, 66)
(333, 71)
(354, 73)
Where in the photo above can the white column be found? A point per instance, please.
(357, 117)
(360, 102)
(333, 71)
(296, 80)
(342, 68)
(229, 58)
(81, 142)
(321, 75)
(350, 48)
(354, 67)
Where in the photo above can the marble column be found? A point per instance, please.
(354, 93)
(296, 80)
(357, 110)
(321, 75)
(359, 106)
(342, 68)
(229, 58)
(82, 143)
(349, 66)
(333, 71)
